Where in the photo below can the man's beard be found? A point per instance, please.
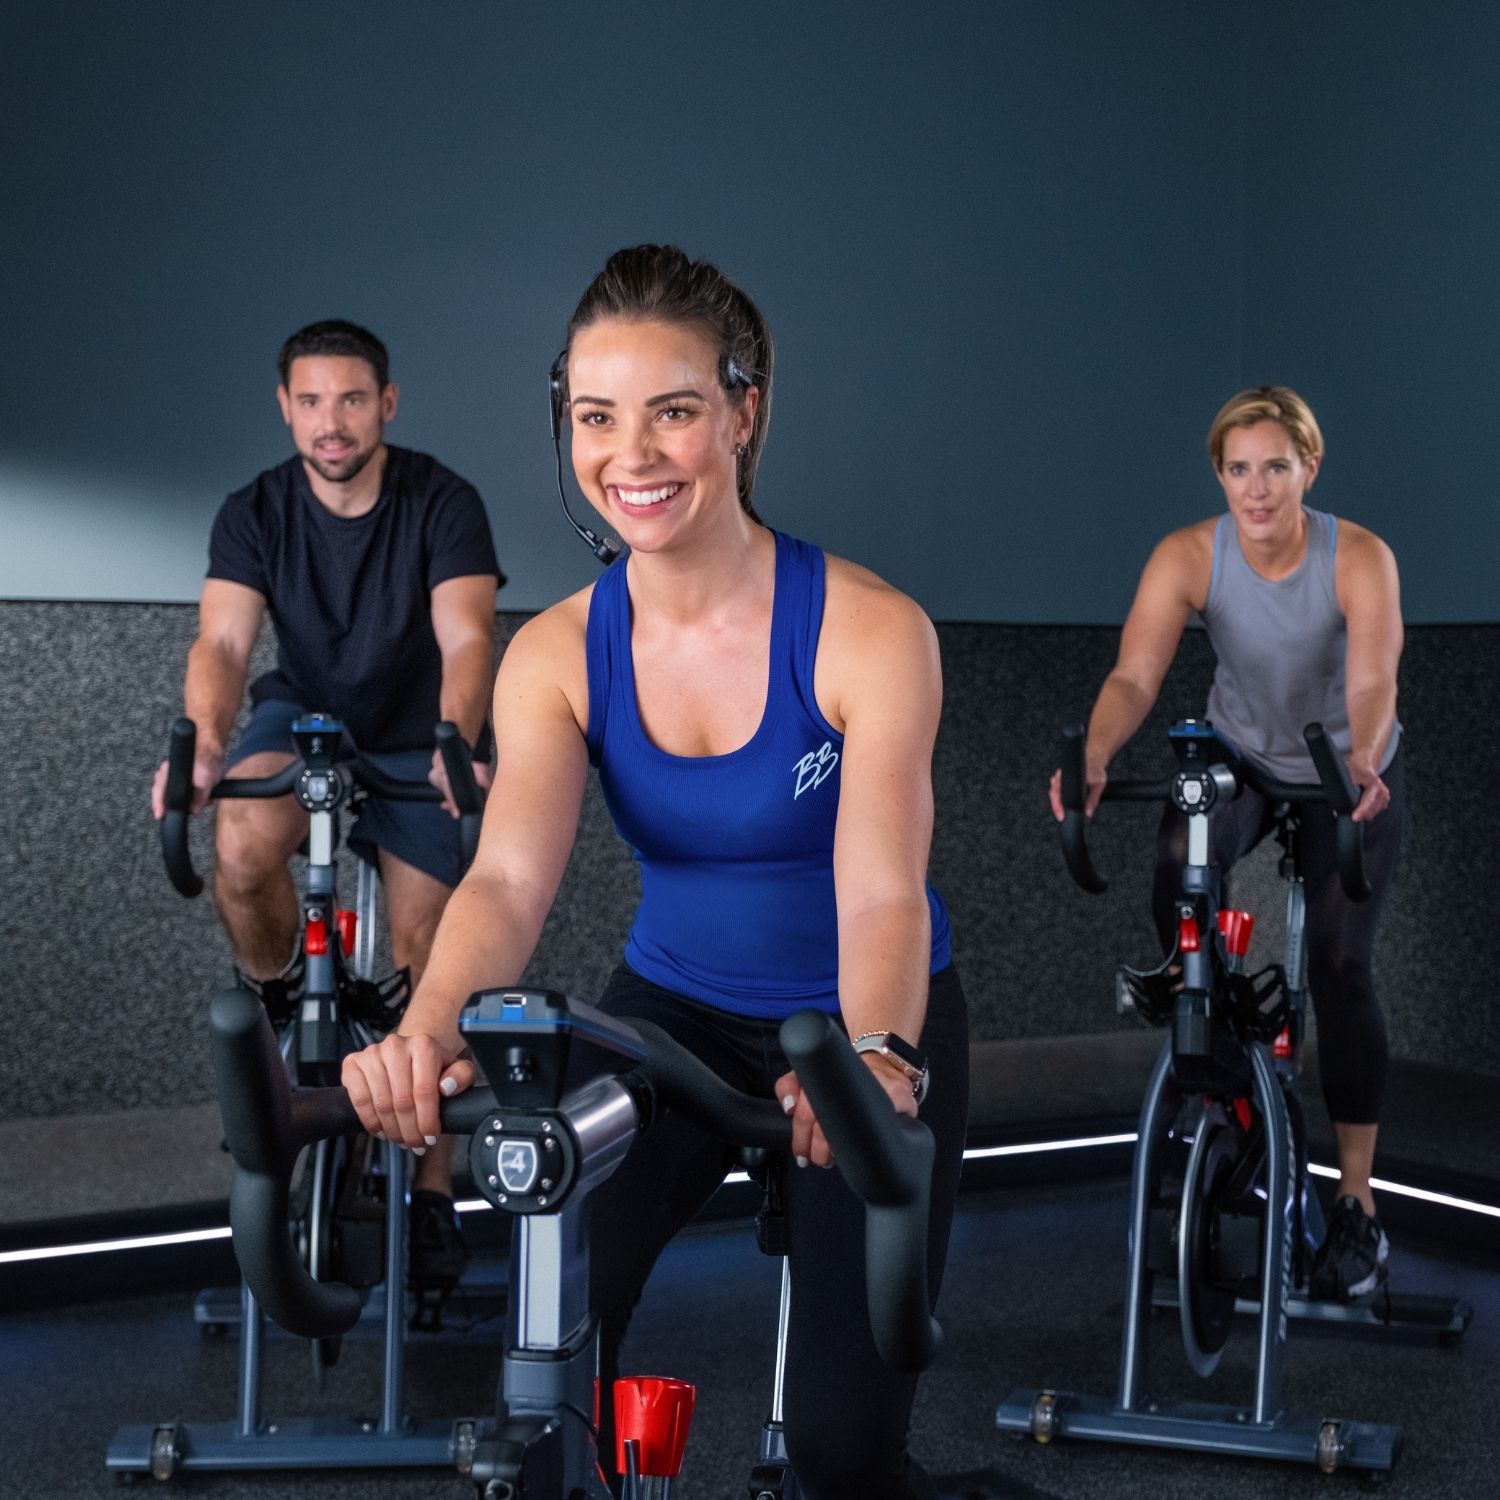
(345, 469)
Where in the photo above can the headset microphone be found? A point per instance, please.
(731, 374)
(605, 551)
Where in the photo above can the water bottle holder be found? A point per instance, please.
(1257, 1006)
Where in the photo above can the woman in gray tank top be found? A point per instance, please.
(1303, 613)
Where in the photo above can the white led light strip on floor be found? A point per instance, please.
(977, 1153)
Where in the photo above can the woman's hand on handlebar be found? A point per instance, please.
(207, 770)
(395, 1085)
(809, 1144)
(438, 776)
(1374, 794)
(1096, 780)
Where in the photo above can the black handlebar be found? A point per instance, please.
(182, 746)
(1334, 789)
(266, 1124)
(885, 1158)
(459, 764)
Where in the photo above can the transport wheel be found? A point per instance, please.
(465, 1440)
(164, 1454)
(1205, 1301)
(1044, 1417)
(1330, 1447)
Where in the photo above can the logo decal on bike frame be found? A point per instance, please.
(519, 1166)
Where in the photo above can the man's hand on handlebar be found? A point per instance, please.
(1096, 780)
(809, 1144)
(438, 776)
(207, 770)
(395, 1085)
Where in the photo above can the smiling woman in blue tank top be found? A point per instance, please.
(762, 719)
(1304, 615)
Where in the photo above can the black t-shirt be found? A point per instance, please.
(350, 598)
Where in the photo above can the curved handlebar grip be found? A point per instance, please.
(459, 764)
(697, 1093)
(266, 1123)
(1342, 798)
(887, 1160)
(182, 746)
(1074, 828)
(255, 1099)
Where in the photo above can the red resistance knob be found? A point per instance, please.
(316, 938)
(657, 1413)
(1235, 928)
(1187, 933)
(348, 925)
(1282, 1046)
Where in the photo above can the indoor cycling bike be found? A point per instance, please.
(350, 1220)
(568, 1091)
(1223, 1214)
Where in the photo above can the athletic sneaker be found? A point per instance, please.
(438, 1252)
(280, 994)
(1351, 1266)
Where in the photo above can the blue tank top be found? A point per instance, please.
(736, 851)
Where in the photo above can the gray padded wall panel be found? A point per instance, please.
(104, 971)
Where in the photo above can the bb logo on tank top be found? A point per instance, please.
(812, 770)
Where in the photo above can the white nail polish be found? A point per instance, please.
(801, 1161)
(449, 1085)
(788, 1103)
(430, 1139)
(419, 1150)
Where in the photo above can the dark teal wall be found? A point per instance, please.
(994, 240)
(1014, 253)
(1372, 272)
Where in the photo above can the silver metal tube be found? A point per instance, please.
(392, 1395)
(1198, 839)
(778, 1387)
(252, 1331)
(367, 906)
(1155, 1116)
(1295, 963)
(1276, 1249)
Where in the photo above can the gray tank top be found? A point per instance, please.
(1280, 649)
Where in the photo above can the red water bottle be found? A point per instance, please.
(652, 1416)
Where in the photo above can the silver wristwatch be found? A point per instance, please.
(902, 1054)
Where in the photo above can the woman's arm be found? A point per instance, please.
(879, 679)
(1369, 593)
(492, 921)
(1174, 582)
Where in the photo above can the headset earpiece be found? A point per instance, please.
(556, 380)
(731, 374)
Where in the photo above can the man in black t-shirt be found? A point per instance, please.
(379, 573)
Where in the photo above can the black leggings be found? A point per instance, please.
(846, 1414)
(1340, 932)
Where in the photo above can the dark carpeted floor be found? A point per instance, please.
(1032, 1298)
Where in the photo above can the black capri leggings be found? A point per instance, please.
(846, 1413)
(1340, 932)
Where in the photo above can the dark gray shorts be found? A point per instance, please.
(421, 833)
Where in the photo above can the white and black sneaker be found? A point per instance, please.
(1351, 1266)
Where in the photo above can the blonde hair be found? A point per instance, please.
(1267, 403)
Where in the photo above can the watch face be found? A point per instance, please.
(905, 1051)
